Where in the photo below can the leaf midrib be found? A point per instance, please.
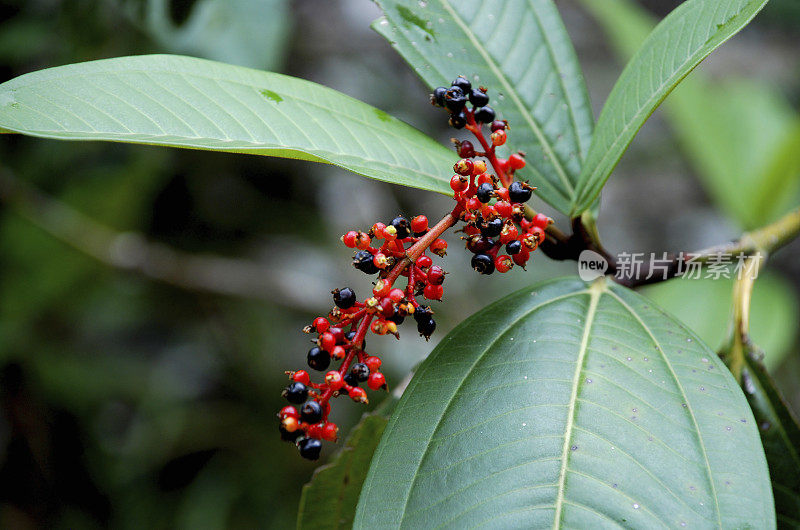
(523, 110)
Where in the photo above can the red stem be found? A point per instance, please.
(474, 128)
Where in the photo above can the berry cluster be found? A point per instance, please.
(491, 206)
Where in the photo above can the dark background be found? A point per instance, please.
(133, 402)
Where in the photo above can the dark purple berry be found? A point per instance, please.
(462, 83)
(492, 228)
(423, 313)
(350, 379)
(519, 192)
(287, 436)
(483, 263)
(309, 448)
(311, 412)
(426, 327)
(402, 225)
(479, 244)
(454, 99)
(484, 115)
(318, 359)
(478, 97)
(296, 393)
(514, 247)
(363, 262)
(344, 298)
(466, 149)
(437, 98)
(485, 192)
(360, 371)
(458, 121)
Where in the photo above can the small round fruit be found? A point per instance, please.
(376, 381)
(519, 192)
(423, 313)
(459, 183)
(483, 263)
(288, 412)
(516, 161)
(288, 436)
(401, 224)
(437, 98)
(513, 247)
(309, 448)
(503, 263)
(301, 376)
(436, 275)
(426, 327)
(296, 393)
(344, 298)
(360, 371)
(433, 292)
(499, 137)
(373, 363)
(363, 262)
(454, 99)
(318, 359)
(485, 192)
(311, 412)
(330, 432)
(478, 97)
(419, 224)
(498, 125)
(334, 379)
(350, 379)
(492, 227)
(462, 83)
(484, 115)
(349, 239)
(466, 149)
(458, 120)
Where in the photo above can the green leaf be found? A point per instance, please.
(677, 45)
(780, 435)
(741, 136)
(521, 52)
(568, 405)
(704, 306)
(186, 102)
(329, 500)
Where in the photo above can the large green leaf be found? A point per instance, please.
(741, 136)
(518, 49)
(568, 405)
(704, 305)
(780, 434)
(187, 102)
(676, 46)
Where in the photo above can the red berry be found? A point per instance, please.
(458, 183)
(377, 230)
(478, 167)
(349, 239)
(380, 260)
(509, 233)
(395, 295)
(502, 194)
(390, 233)
(382, 288)
(338, 352)
(314, 431)
(363, 241)
(301, 376)
(379, 327)
(439, 247)
(516, 161)
(334, 379)
(466, 149)
(483, 179)
(373, 363)
(503, 263)
(330, 432)
(498, 125)
(463, 167)
(424, 261)
(436, 275)
(538, 233)
(503, 208)
(541, 220)
(498, 137)
(419, 224)
(433, 292)
(290, 424)
(357, 394)
(376, 380)
(338, 335)
(288, 412)
(321, 324)
(326, 341)
(522, 257)
(474, 204)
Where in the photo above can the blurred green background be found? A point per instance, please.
(151, 299)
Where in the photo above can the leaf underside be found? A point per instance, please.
(180, 101)
(521, 52)
(570, 405)
(677, 45)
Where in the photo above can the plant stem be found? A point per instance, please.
(739, 344)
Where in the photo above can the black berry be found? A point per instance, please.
(478, 97)
(519, 192)
(426, 327)
(296, 393)
(478, 244)
(437, 98)
(397, 317)
(344, 298)
(498, 125)
(485, 192)
(309, 448)
(287, 436)
(462, 83)
(458, 121)
(311, 412)
(360, 371)
(492, 228)
(318, 359)
(422, 313)
(351, 379)
(454, 99)
(363, 262)
(484, 115)
(513, 247)
(483, 263)
(401, 224)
